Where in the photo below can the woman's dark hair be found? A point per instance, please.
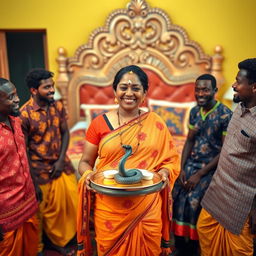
(136, 70)
(34, 77)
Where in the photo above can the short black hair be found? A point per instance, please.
(135, 69)
(250, 66)
(35, 76)
(208, 77)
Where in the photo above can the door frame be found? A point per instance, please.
(4, 65)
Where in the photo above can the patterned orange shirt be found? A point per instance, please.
(17, 194)
(43, 131)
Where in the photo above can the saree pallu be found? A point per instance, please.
(134, 225)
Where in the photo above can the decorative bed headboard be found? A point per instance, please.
(136, 35)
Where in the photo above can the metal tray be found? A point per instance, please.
(111, 187)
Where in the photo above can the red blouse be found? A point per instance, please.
(99, 127)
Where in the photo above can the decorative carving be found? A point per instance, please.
(137, 8)
(141, 29)
(135, 35)
(62, 78)
(217, 60)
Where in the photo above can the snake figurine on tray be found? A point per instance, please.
(128, 181)
(130, 176)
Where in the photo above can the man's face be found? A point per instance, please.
(243, 90)
(204, 93)
(9, 100)
(45, 91)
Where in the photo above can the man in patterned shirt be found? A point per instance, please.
(228, 218)
(18, 204)
(45, 127)
(208, 122)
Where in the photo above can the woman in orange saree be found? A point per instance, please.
(130, 225)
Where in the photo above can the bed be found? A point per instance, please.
(144, 36)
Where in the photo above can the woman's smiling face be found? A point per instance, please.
(129, 92)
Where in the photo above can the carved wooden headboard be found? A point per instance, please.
(136, 35)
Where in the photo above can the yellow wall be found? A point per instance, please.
(230, 23)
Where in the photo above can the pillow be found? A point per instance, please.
(93, 110)
(80, 125)
(146, 109)
(176, 115)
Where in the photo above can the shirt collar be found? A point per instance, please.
(12, 121)
(244, 110)
(36, 107)
(204, 115)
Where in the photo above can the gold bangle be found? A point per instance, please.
(87, 172)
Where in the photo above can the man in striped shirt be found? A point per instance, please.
(227, 221)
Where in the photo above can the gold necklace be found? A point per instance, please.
(120, 132)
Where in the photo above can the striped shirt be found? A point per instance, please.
(230, 196)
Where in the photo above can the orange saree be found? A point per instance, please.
(133, 225)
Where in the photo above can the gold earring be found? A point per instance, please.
(115, 100)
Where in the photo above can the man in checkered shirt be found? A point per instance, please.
(228, 218)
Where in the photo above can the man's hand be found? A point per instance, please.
(57, 169)
(1, 234)
(39, 194)
(191, 183)
(253, 221)
(182, 178)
